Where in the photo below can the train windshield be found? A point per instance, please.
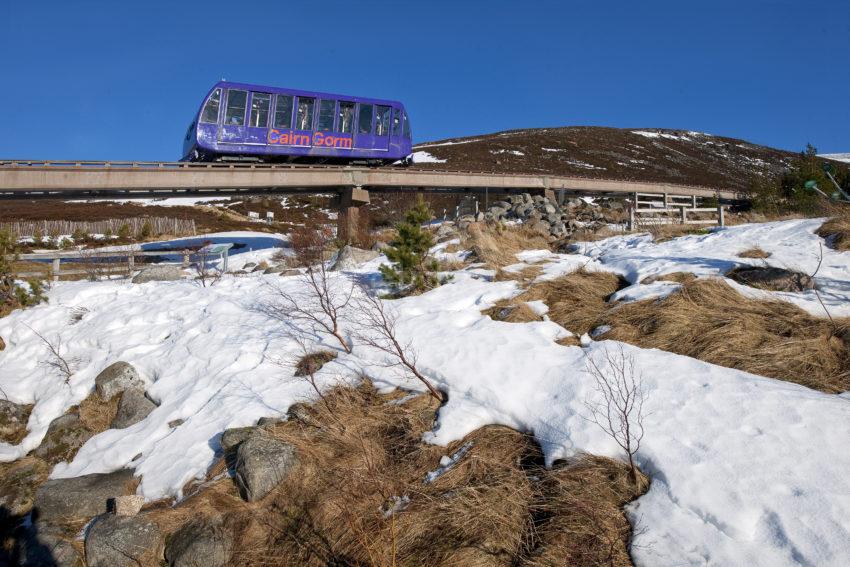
(346, 117)
(210, 112)
(260, 105)
(236, 103)
(382, 121)
(364, 122)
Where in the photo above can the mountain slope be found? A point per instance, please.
(671, 156)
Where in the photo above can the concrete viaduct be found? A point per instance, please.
(23, 179)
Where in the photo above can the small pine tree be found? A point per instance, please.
(124, 232)
(146, 231)
(411, 269)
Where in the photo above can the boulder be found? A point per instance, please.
(160, 273)
(540, 227)
(13, 421)
(262, 462)
(350, 257)
(201, 542)
(446, 231)
(231, 438)
(774, 279)
(133, 407)
(18, 485)
(128, 505)
(116, 378)
(248, 266)
(123, 541)
(81, 497)
(65, 435)
(47, 547)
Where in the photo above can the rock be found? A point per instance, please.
(13, 421)
(279, 269)
(259, 268)
(46, 547)
(300, 411)
(231, 438)
(202, 542)
(446, 231)
(269, 421)
(552, 218)
(290, 273)
(175, 423)
(540, 227)
(81, 497)
(133, 407)
(247, 266)
(65, 435)
(18, 485)
(262, 462)
(379, 245)
(350, 257)
(550, 209)
(128, 505)
(116, 378)
(479, 216)
(160, 273)
(775, 279)
(119, 541)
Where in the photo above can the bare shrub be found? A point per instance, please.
(377, 328)
(318, 306)
(620, 412)
(55, 359)
(206, 273)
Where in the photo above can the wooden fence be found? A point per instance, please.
(648, 209)
(156, 226)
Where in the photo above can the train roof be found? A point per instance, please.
(298, 92)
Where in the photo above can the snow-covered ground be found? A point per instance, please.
(745, 470)
(425, 157)
(837, 157)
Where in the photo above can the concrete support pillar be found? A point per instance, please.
(550, 194)
(351, 199)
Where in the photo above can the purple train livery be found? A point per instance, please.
(253, 122)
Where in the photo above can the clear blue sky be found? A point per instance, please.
(121, 80)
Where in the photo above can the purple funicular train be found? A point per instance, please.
(253, 122)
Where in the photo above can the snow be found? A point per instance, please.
(512, 152)
(837, 157)
(745, 470)
(425, 157)
(163, 202)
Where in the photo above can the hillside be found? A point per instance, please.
(672, 156)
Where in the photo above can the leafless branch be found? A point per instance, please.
(205, 273)
(620, 411)
(815, 288)
(377, 328)
(56, 360)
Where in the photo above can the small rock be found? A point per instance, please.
(379, 245)
(550, 209)
(300, 411)
(350, 257)
(119, 541)
(128, 505)
(116, 378)
(247, 266)
(13, 421)
(65, 435)
(446, 230)
(202, 542)
(541, 227)
(290, 273)
(231, 438)
(133, 407)
(280, 268)
(160, 273)
(479, 216)
(774, 279)
(262, 462)
(268, 421)
(175, 423)
(81, 497)
(258, 268)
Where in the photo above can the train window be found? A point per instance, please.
(346, 117)
(406, 127)
(283, 111)
(397, 122)
(382, 121)
(304, 120)
(326, 115)
(210, 113)
(364, 122)
(236, 103)
(261, 104)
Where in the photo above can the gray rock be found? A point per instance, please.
(133, 407)
(350, 257)
(774, 279)
(269, 421)
(249, 265)
(203, 542)
(46, 547)
(13, 421)
(231, 438)
(279, 269)
(541, 227)
(80, 497)
(116, 378)
(479, 216)
(290, 273)
(65, 435)
(379, 245)
(119, 541)
(160, 273)
(552, 218)
(262, 462)
(550, 209)
(258, 268)
(446, 230)
(502, 204)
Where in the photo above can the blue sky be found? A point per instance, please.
(121, 80)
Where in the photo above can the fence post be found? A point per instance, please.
(720, 218)
(56, 264)
(185, 258)
(131, 264)
(684, 214)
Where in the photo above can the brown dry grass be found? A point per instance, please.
(97, 415)
(754, 252)
(512, 311)
(359, 454)
(837, 229)
(312, 362)
(664, 232)
(496, 245)
(679, 277)
(524, 276)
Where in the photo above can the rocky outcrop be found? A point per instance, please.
(350, 257)
(133, 407)
(116, 378)
(161, 273)
(81, 497)
(13, 421)
(45, 546)
(204, 541)
(770, 278)
(65, 435)
(123, 541)
(262, 462)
